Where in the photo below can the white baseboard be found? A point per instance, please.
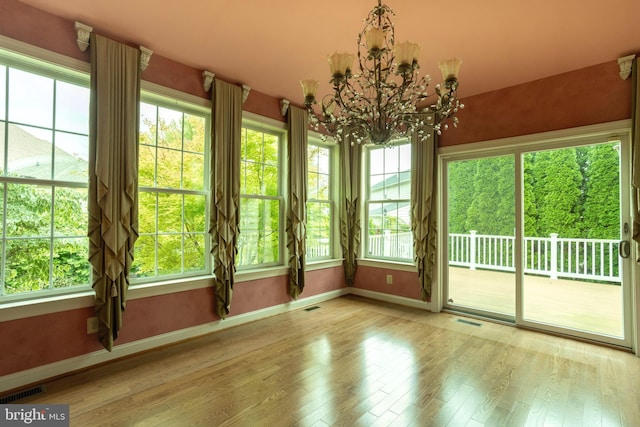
(393, 299)
(51, 370)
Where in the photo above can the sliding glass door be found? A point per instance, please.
(539, 235)
(572, 231)
(481, 225)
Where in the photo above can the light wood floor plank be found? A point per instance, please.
(358, 362)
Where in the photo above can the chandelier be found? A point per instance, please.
(385, 99)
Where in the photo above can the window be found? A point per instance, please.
(388, 203)
(260, 240)
(44, 127)
(173, 192)
(319, 203)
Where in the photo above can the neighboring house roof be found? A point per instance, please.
(31, 157)
(404, 176)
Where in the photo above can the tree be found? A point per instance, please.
(602, 194)
(461, 176)
(492, 210)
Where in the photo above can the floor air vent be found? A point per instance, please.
(469, 322)
(22, 394)
(315, 307)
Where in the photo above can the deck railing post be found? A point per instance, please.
(553, 273)
(472, 250)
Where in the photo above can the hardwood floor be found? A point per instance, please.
(354, 361)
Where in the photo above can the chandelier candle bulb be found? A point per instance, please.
(450, 68)
(375, 38)
(309, 88)
(340, 63)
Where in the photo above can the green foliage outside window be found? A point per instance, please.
(260, 199)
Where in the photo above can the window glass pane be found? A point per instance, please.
(169, 213)
(72, 108)
(312, 185)
(71, 157)
(30, 98)
(29, 152)
(70, 266)
(252, 146)
(194, 133)
(2, 139)
(28, 210)
(170, 128)
(147, 166)
(147, 212)
(26, 265)
(148, 123)
(253, 177)
(169, 254)
(391, 159)
(376, 161)
(2, 185)
(270, 149)
(3, 92)
(144, 264)
(323, 187)
(318, 230)
(168, 168)
(193, 172)
(270, 181)
(194, 254)
(70, 212)
(259, 231)
(194, 213)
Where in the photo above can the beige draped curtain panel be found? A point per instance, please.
(635, 143)
(350, 166)
(224, 214)
(113, 178)
(424, 209)
(297, 201)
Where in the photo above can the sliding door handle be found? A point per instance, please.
(624, 248)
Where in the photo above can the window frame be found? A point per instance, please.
(165, 98)
(259, 124)
(33, 61)
(366, 250)
(315, 140)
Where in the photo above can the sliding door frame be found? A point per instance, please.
(517, 146)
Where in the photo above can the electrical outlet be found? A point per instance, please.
(389, 279)
(92, 325)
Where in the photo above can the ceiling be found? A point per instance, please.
(271, 45)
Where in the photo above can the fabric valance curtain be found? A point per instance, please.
(113, 178)
(224, 214)
(424, 209)
(635, 143)
(350, 166)
(296, 212)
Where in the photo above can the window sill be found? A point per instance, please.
(322, 264)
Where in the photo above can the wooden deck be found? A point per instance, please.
(572, 304)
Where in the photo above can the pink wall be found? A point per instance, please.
(592, 95)
(405, 283)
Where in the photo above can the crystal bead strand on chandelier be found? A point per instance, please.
(386, 98)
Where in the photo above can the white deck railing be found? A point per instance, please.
(555, 257)
(594, 259)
